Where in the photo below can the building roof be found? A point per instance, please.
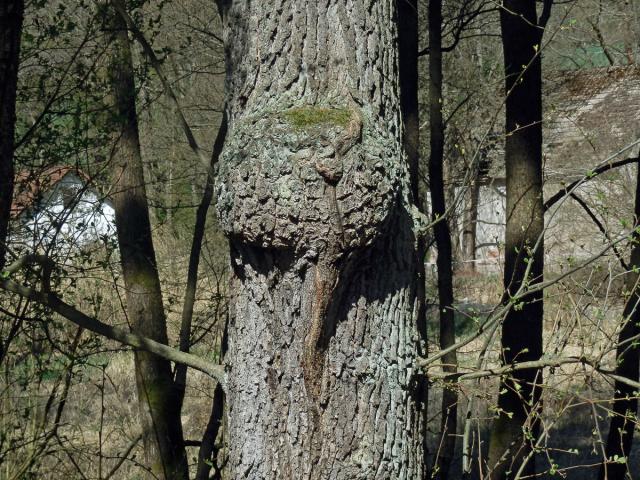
(589, 116)
(31, 184)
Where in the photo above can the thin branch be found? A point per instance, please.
(535, 364)
(123, 457)
(157, 66)
(204, 31)
(601, 227)
(500, 311)
(114, 333)
(595, 172)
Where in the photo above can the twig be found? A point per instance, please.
(114, 333)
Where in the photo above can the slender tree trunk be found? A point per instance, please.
(160, 415)
(11, 12)
(314, 194)
(194, 262)
(442, 236)
(625, 405)
(408, 65)
(470, 226)
(408, 45)
(517, 425)
(209, 454)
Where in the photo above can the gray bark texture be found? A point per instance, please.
(313, 192)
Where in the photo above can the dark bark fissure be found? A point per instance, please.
(11, 16)
(315, 196)
(516, 429)
(442, 234)
(157, 396)
(625, 404)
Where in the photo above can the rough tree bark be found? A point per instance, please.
(11, 13)
(517, 425)
(442, 235)
(157, 399)
(625, 405)
(314, 194)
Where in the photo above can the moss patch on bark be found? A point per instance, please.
(304, 117)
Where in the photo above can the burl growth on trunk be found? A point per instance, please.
(306, 181)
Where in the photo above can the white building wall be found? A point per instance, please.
(69, 216)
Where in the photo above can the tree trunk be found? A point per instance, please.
(409, 106)
(314, 194)
(162, 430)
(442, 234)
(625, 405)
(470, 226)
(517, 425)
(194, 262)
(408, 45)
(11, 12)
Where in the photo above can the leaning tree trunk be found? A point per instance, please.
(11, 13)
(517, 425)
(313, 192)
(625, 405)
(157, 398)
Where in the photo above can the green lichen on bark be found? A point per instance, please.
(311, 116)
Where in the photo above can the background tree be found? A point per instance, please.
(11, 26)
(157, 394)
(625, 404)
(517, 426)
(442, 235)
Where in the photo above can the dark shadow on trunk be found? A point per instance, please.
(11, 15)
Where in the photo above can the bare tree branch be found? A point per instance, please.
(601, 227)
(546, 14)
(69, 312)
(593, 173)
(535, 364)
(157, 65)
